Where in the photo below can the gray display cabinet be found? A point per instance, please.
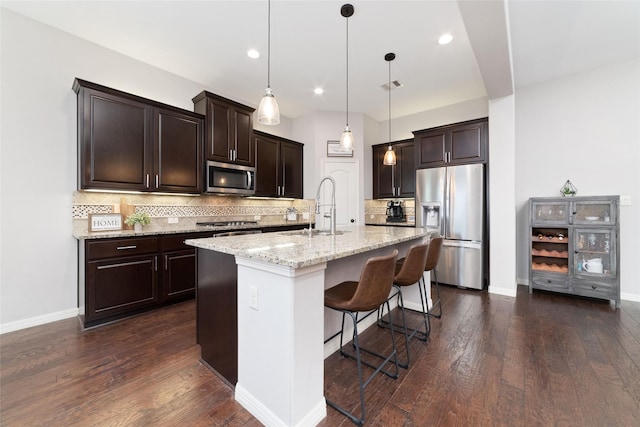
(575, 246)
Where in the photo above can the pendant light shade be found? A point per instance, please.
(268, 110)
(390, 155)
(346, 139)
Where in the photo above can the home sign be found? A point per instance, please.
(105, 222)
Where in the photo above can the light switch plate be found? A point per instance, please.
(305, 215)
(172, 220)
(625, 200)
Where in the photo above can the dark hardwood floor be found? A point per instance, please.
(536, 360)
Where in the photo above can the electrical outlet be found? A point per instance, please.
(625, 200)
(172, 220)
(256, 217)
(253, 297)
(305, 215)
(371, 216)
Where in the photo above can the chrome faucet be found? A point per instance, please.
(332, 209)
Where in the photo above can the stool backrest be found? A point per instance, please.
(413, 265)
(433, 254)
(375, 283)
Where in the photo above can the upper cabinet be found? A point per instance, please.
(229, 129)
(126, 142)
(278, 166)
(398, 180)
(456, 144)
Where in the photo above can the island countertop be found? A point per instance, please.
(297, 249)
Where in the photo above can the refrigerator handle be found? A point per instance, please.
(447, 200)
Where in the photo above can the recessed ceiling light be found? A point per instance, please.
(253, 54)
(318, 91)
(445, 39)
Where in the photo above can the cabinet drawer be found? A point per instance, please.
(594, 289)
(175, 242)
(97, 249)
(550, 282)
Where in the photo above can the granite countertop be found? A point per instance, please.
(297, 250)
(154, 230)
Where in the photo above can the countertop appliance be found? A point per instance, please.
(451, 200)
(227, 178)
(395, 211)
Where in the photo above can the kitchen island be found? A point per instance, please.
(281, 278)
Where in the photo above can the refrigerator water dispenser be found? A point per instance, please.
(431, 215)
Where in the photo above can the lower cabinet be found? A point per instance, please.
(124, 276)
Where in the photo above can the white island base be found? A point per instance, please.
(282, 324)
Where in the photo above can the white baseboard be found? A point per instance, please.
(38, 320)
(508, 292)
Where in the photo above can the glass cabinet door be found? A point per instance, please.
(594, 212)
(550, 213)
(594, 252)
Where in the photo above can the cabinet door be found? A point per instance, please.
(383, 175)
(120, 285)
(466, 144)
(595, 212)
(218, 132)
(267, 171)
(242, 122)
(115, 142)
(549, 213)
(179, 278)
(405, 170)
(594, 252)
(178, 154)
(431, 149)
(291, 166)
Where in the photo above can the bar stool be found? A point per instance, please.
(367, 294)
(432, 261)
(408, 271)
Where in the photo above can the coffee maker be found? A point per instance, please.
(395, 211)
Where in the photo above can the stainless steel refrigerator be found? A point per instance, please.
(451, 200)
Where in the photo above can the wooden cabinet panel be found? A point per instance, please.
(267, 167)
(179, 278)
(291, 160)
(398, 180)
(113, 248)
(178, 157)
(279, 166)
(113, 141)
(126, 142)
(120, 285)
(228, 129)
(456, 144)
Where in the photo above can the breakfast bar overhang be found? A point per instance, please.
(280, 311)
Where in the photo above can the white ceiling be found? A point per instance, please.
(207, 41)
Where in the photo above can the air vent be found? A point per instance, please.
(394, 85)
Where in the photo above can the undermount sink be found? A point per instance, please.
(314, 232)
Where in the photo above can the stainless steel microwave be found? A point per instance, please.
(227, 178)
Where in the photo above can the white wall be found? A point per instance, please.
(586, 128)
(38, 268)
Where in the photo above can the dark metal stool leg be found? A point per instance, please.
(436, 302)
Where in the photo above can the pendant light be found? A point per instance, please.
(390, 155)
(268, 111)
(346, 139)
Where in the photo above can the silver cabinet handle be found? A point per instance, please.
(231, 155)
(123, 248)
(166, 262)
(147, 181)
(157, 181)
(155, 263)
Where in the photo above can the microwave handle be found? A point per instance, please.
(249, 180)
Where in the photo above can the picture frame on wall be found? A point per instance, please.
(334, 150)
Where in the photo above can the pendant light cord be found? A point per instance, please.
(347, 71)
(269, 45)
(389, 102)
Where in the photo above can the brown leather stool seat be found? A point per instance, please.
(367, 294)
(408, 271)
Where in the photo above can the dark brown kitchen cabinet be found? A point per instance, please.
(398, 180)
(279, 170)
(123, 276)
(228, 129)
(455, 144)
(126, 142)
